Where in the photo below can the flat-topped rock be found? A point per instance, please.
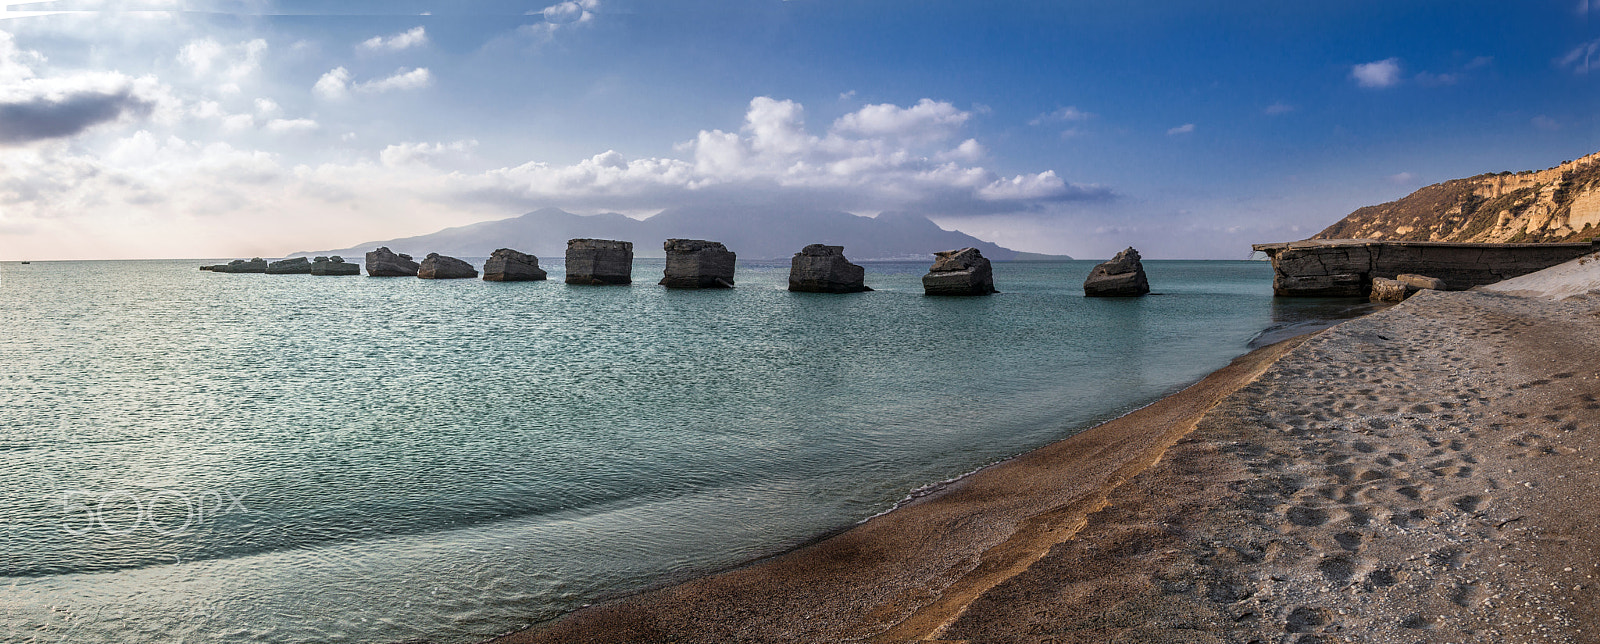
(959, 272)
(254, 265)
(442, 267)
(1122, 276)
(506, 265)
(599, 262)
(386, 263)
(697, 263)
(1346, 267)
(334, 266)
(291, 266)
(819, 268)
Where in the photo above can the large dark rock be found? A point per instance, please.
(386, 263)
(959, 272)
(697, 263)
(255, 265)
(506, 265)
(440, 267)
(334, 266)
(823, 269)
(599, 262)
(1123, 276)
(293, 266)
(1346, 267)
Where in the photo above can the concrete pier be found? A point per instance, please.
(1346, 267)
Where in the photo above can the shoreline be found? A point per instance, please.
(1422, 473)
(810, 574)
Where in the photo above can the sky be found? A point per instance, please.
(236, 128)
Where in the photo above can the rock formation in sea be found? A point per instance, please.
(959, 272)
(291, 266)
(506, 265)
(334, 266)
(255, 265)
(440, 267)
(599, 262)
(386, 263)
(819, 268)
(697, 263)
(1123, 276)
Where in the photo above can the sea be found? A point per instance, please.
(190, 456)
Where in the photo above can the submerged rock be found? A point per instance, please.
(292, 266)
(441, 267)
(823, 269)
(1123, 276)
(599, 262)
(506, 265)
(1388, 290)
(697, 263)
(334, 266)
(254, 265)
(959, 272)
(386, 263)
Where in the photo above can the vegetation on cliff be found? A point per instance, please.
(1553, 205)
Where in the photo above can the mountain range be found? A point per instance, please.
(1552, 205)
(752, 233)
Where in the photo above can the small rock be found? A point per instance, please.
(959, 272)
(441, 267)
(1123, 276)
(506, 265)
(386, 263)
(333, 266)
(1388, 290)
(1417, 282)
(292, 266)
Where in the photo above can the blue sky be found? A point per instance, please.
(174, 128)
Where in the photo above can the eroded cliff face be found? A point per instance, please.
(1554, 205)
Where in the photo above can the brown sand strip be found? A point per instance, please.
(906, 575)
(1422, 474)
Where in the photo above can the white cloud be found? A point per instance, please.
(1278, 108)
(333, 85)
(174, 197)
(1582, 58)
(845, 96)
(415, 37)
(267, 107)
(34, 109)
(401, 154)
(1402, 178)
(1066, 114)
(402, 79)
(928, 120)
(207, 57)
(569, 12)
(1186, 128)
(1382, 73)
(283, 126)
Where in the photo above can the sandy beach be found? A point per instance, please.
(1421, 474)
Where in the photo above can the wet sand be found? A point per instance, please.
(1422, 474)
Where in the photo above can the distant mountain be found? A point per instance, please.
(1553, 205)
(752, 233)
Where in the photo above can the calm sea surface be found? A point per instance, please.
(189, 456)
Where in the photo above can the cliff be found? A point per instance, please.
(1553, 205)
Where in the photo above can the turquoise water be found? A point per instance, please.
(192, 456)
